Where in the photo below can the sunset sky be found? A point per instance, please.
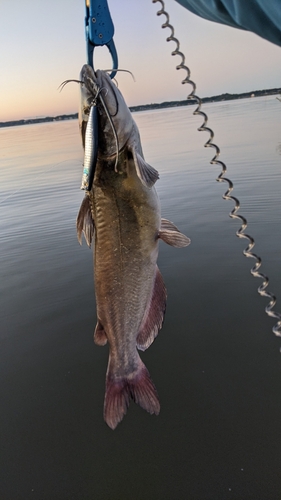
(43, 44)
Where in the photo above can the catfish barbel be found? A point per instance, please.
(121, 213)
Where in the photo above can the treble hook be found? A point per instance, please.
(99, 30)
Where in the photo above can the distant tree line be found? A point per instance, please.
(144, 107)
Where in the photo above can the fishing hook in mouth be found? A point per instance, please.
(95, 99)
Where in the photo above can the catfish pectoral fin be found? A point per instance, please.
(138, 386)
(171, 235)
(85, 223)
(154, 315)
(100, 337)
(146, 173)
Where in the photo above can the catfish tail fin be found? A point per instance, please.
(137, 385)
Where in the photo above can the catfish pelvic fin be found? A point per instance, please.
(100, 337)
(154, 315)
(170, 234)
(85, 223)
(145, 172)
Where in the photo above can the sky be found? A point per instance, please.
(43, 44)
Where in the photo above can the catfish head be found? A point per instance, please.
(116, 126)
(115, 119)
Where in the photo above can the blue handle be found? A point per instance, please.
(99, 31)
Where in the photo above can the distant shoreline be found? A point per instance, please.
(145, 107)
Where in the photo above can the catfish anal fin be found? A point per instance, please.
(100, 337)
(154, 316)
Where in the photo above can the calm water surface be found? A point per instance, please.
(216, 363)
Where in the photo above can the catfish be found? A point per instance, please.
(120, 215)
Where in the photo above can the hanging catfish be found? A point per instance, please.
(121, 213)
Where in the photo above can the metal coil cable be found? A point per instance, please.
(221, 178)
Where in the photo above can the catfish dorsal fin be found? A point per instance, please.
(85, 223)
(171, 235)
(145, 172)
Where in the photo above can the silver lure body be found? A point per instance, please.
(91, 149)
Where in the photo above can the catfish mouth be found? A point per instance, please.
(99, 83)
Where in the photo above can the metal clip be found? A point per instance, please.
(99, 30)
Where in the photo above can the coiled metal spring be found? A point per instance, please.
(221, 178)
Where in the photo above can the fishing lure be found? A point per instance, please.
(91, 148)
(91, 142)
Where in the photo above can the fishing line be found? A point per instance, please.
(113, 130)
(221, 178)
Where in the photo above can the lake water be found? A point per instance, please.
(216, 363)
